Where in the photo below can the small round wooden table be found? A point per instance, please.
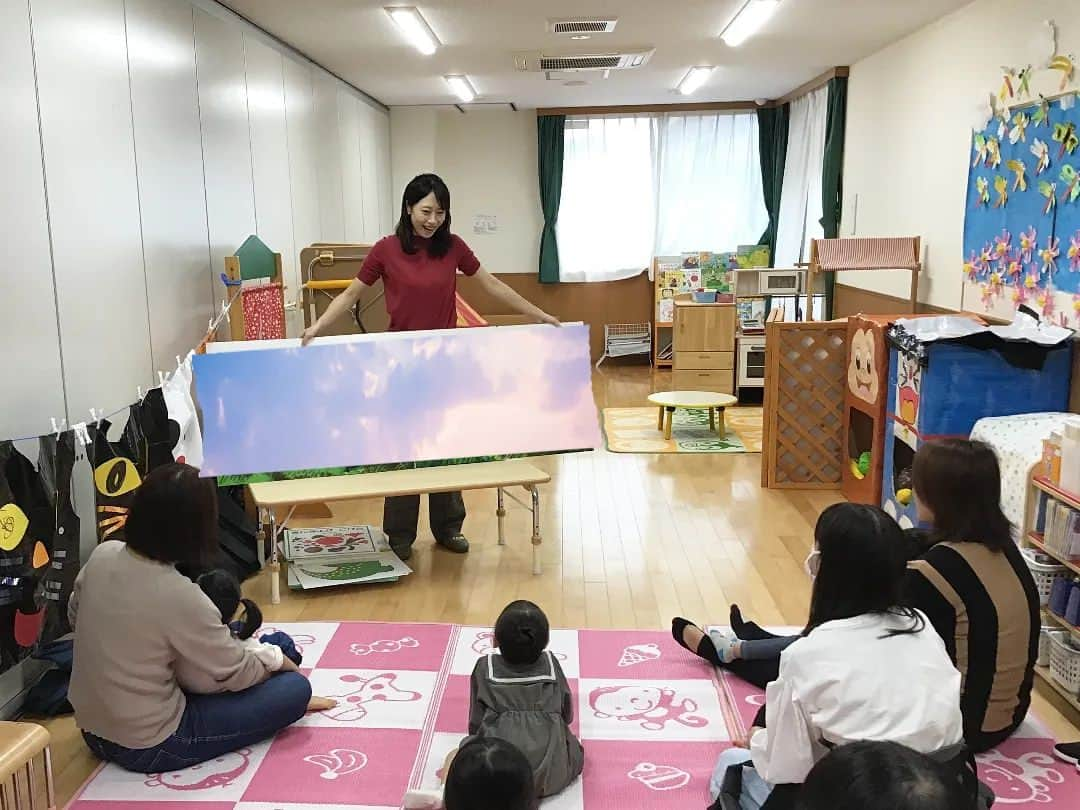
(668, 401)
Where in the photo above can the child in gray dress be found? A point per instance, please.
(520, 695)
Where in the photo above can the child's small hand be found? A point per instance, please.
(321, 704)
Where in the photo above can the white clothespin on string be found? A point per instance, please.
(58, 428)
(139, 391)
(95, 416)
(81, 433)
(162, 376)
(225, 311)
(179, 363)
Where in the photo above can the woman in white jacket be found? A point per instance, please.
(865, 668)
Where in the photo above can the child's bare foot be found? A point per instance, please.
(320, 704)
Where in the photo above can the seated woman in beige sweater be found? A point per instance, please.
(142, 629)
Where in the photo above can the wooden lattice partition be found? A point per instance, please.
(805, 374)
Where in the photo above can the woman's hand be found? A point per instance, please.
(309, 334)
(550, 320)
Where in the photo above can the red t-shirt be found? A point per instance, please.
(420, 289)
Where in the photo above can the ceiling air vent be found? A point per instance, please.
(546, 63)
(581, 25)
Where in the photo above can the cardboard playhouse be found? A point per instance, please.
(865, 400)
(946, 373)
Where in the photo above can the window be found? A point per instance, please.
(635, 187)
(606, 215)
(800, 202)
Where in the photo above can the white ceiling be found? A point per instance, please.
(357, 40)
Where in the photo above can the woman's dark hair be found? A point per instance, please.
(418, 188)
(882, 776)
(489, 773)
(224, 591)
(174, 517)
(521, 633)
(862, 566)
(960, 482)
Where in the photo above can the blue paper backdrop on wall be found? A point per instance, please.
(1011, 234)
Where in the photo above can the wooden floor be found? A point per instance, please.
(629, 542)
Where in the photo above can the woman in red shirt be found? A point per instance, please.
(418, 266)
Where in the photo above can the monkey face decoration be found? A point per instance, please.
(862, 367)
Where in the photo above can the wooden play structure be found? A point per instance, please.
(258, 311)
(805, 373)
(865, 253)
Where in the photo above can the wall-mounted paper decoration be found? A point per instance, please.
(396, 397)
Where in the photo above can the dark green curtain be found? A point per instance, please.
(832, 175)
(772, 152)
(772, 146)
(549, 137)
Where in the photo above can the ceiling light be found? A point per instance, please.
(581, 36)
(461, 88)
(750, 18)
(694, 78)
(415, 28)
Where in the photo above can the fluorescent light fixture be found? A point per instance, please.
(694, 78)
(753, 15)
(460, 87)
(415, 28)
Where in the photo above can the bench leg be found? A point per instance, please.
(536, 539)
(722, 426)
(275, 566)
(50, 787)
(667, 423)
(660, 420)
(500, 514)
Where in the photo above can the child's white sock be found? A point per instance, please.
(727, 646)
(423, 799)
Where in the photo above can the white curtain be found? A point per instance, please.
(800, 202)
(709, 194)
(607, 213)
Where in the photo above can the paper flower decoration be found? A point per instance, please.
(980, 150)
(986, 255)
(1019, 128)
(1001, 188)
(1042, 112)
(1045, 301)
(1065, 134)
(1023, 89)
(1066, 65)
(1049, 191)
(1049, 255)
(1006, 90)
(971, 267)
(1076, 306)
(993, 152)
(1031, 281)
(1002, 245)
(1074, 253)
(1014, 266)
(1019, 294)
(1071, 180)
(1041, 151)
(1019, 171)
(1028, 243)
(982, 185)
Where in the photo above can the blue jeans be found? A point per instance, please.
(213, 725)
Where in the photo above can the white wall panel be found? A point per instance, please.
(168, 154)
(93, 200)
(303, 166)
(270, 153)
(352, 170)
(369, 166)
(29, 348)
(328, 157)
(389, 197)
(230, 201)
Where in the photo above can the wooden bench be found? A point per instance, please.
(498, 475)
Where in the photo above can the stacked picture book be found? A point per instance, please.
(339, 555)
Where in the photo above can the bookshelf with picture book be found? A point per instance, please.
(1052, 552)
(704, 276)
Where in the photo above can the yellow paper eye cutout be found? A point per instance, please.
(13, 526)
(117, 476)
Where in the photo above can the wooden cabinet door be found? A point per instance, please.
(704, 329)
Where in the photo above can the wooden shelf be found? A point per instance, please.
(665, 324)
(1071, 699)
(1053, 490)
(1036, 540)
(1052, 617)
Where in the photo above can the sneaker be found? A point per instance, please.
(455, 543)
(1069, 752)
(403, 549)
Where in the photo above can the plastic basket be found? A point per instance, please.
(1065, 661)
(1044, 575)
(1044, 645)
